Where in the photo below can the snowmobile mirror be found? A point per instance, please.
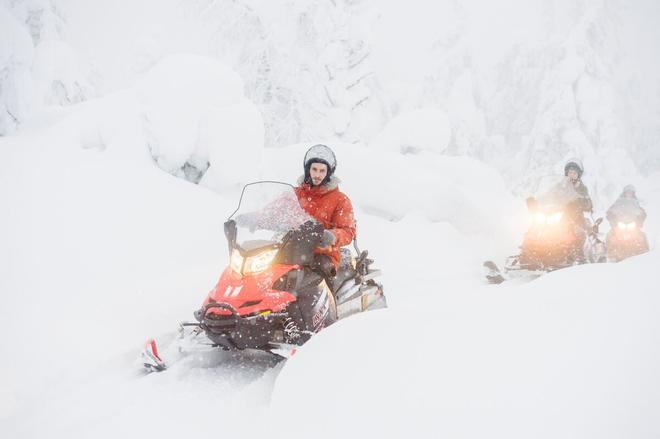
(230, 234)
(531, 203)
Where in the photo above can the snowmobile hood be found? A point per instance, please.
(251, 293)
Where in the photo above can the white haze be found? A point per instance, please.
(128, 127)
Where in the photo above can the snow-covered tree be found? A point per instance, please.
(36, 67)
(305, 64)
(16, 53)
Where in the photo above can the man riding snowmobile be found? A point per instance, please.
(319, 195)
(573, 202)
(557, 234)
(626, 218)
(286, 278)
(575, 209)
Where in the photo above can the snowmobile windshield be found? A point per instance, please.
(626, 210)
(266, 212)
(558, 196)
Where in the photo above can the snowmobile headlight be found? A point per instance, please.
(540, 218)
(631, 226)
(621, 226)
(236, 261)
(259, 262)
(555, 218)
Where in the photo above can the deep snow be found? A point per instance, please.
(102, 246)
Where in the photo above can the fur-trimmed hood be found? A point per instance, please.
(332, 184)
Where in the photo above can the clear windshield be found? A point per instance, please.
(267, 211)
(558, 195)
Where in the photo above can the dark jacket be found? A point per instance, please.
(626, 210)
(576, 208)
(584, 202)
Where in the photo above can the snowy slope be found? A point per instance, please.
(574, 354)
(98, 243)
(104, 240)
(523, 359)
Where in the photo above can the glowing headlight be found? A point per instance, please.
(631, 226)
(541, 218)
(555, 218)
(259, 262)
(251, 264)
(621, 226)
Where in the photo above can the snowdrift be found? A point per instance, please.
(574, 354)
(101, 247)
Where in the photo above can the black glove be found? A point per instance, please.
(328, 239)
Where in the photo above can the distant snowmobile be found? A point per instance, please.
(625, 239)
(552, 241)
(270, 298)
(626, 218)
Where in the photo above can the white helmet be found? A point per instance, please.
(320, 154)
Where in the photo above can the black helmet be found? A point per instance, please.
(574, 164)
(319, 154)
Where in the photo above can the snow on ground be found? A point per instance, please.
(98, 244)
(573, 354)
(102, 248)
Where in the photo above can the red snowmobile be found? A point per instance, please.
(624, 240)
(552, 240)
(272, 297)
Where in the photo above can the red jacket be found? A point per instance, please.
(332, 208)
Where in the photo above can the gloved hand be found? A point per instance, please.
(328, 239)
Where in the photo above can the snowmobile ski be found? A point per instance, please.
(493, 273)
(150, 357)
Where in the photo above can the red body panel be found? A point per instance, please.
(561, 234)
(237, 290)
(549, 244)
(624, 244)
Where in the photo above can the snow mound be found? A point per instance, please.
(415, 131)
(576, 356)
(59, 79)
(194, 112)
(96, 244)
(228, 136)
